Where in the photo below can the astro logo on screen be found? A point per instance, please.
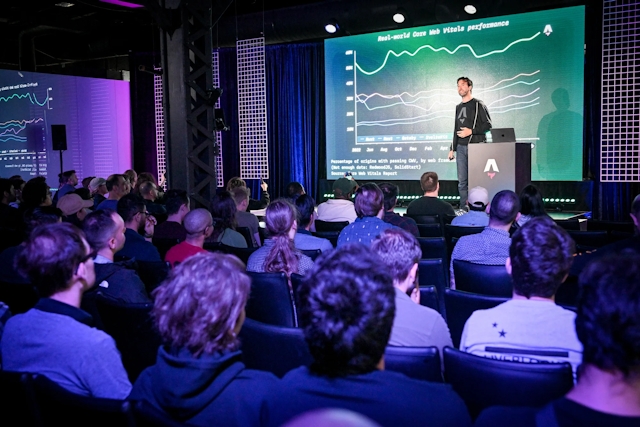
(491, 166)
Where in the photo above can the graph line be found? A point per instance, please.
(450, 52)
(32, 98)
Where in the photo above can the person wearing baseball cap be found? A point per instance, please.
(477, 201)
(340, 208)
(74, 208)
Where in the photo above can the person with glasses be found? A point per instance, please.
(105, 232)
(139, 233)
(472, 122)
(56, 338)
(199, 226)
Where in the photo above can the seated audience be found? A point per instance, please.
(177, 204)
(243, 218)
(531, 204)
(278, 253)
(149, 192)
(340, 208)
(199, 225)
(98, 188)
(491, 246)
(9, 216)
(32, 219)
(608, 326)
(530, 327)
(55, 338)
(413, 325)
(477, 203)
(253, 205)
(294, 190)
(346, 309)
(303, 239)
(132, 177)
(390, 192)
(18, 186)
(223, 210)
(430, 204)
(105, 232)
(68, 181)
(199, 378)
(369, 207)
(36, 192)
(74, 208)
(86, 181)
(139, 233)
(118, 187)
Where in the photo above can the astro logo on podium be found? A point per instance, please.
(491, 166)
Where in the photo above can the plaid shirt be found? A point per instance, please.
(491, 247)
(404, 222)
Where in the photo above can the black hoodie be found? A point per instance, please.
(208, 390)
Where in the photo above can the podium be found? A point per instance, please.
(500, 166)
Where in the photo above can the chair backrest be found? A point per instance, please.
(18, 400)
(331, 236)
(163, 245)
(588, 240)
(433, 272)
(570, 224)
(60, 407)
(454, 231)
(434, 247)
(421, 363)
(430, 230)
(246, 233)
(460, 305)
(20, 297)
(273, 348)
(484, 382)
(311, 253)
(429, 298)
(152, 273)
(132, 328)
(242, 253)
(322, 226)
(482, 279)
(271, 300)
(425, 219)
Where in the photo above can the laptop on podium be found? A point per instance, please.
(503, 135)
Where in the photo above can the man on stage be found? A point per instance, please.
(472, 123)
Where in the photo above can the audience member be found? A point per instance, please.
(105, 232)
(369, 206)
(98, 188)
(33, 218)
(243, 218)
(491, 246)
(199, 378)
(530, 327)
(74, 208)
(55, 338)
(346, 309)
(294, 190)
(340, 208)
(149, 192)
(198, 224)
(330, 417)
(223, 210)
(429, 203)
(132, 177)
(413, 325)
(279, 253)
(477, 203)
(35, 193)
(18, 186)
(303, 239)
(9, 217)
(177, 204)
(86, 181)
(253, 205)
(608, 326)
(137, 220)
(531, 204)
(118, 187)
(390, 192)
(68, 181)
(141, 179)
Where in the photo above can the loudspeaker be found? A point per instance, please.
(59, 137)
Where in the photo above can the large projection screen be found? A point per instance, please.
(391, 96)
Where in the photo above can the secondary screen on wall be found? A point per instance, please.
(96, 114)
(391, 96)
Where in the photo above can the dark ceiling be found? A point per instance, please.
(40, 35)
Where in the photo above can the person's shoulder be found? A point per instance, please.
(507, 416)
(256, 375)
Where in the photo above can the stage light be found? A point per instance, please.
(470, 9)
(332, 27)
(400, 16)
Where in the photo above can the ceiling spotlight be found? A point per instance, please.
(64, 4)
(331, 27)
(470, 9)
(399, 17)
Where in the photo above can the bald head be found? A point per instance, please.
(196, 221)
